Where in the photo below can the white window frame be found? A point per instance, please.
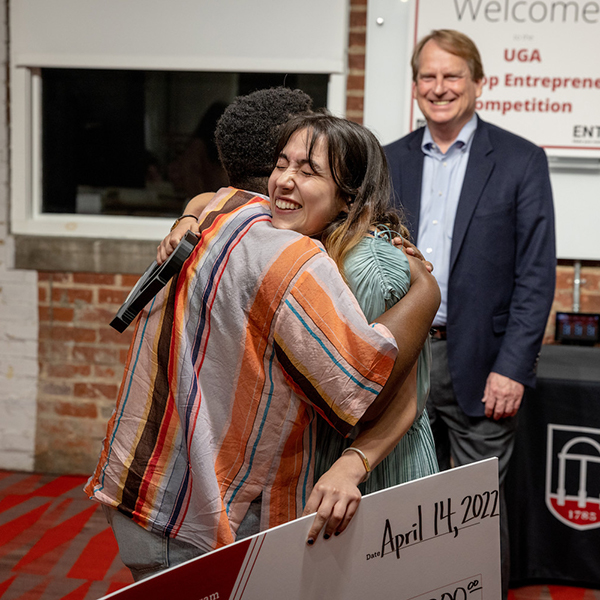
(26, 83)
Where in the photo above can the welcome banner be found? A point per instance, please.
(541, 63)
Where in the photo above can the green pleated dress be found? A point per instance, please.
(379, 275)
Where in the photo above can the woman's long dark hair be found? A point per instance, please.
(359, 169)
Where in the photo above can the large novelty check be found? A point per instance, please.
(436, 538)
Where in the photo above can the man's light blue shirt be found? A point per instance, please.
(443, 176)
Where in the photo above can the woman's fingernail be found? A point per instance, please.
(337, 533)
(310, 541)
(326, 536)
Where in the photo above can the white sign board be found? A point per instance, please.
(431, 539)
(541, 64)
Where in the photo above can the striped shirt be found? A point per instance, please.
(225, 372)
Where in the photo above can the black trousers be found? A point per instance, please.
(460, 439)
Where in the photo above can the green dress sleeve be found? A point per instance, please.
(379, 276)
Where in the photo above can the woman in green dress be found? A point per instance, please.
(359, 239)
(378, 274)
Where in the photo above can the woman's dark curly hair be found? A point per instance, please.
(247, 133)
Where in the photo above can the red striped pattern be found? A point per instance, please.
(54, 542)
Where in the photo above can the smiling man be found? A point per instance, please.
(479, 205)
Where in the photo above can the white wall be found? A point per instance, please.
(18, 319)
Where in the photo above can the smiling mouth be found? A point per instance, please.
(286, 204)
(440, 102)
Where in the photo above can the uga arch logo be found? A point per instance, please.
(573, 475)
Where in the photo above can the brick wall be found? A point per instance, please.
(357, 42)
(81, 364)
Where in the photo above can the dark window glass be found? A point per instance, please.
(140, 142)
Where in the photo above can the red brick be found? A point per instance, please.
(60, 277)
(108, 335)
(97, 355)
(53, 388)
(94, 314)
(68, 371)
(107, 372)
(112, 296)
(355, 82)
(563, 301)
(71, 334)
(590, 303)
(42, 293)
(95, 390)
(72, 295)
(357, 40)
(355, 103)
(44, 331)
(54, 351)
(94, 278)
(43, 276)
(592, 279)
(71, 409)
(43, 407)
(129, 281)
(356, 62)
(62, 314)
(358, 18)
(123, 356)
(564, 278)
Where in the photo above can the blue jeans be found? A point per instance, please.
(145, 553)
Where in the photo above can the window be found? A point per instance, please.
(159, 67)
(139, 143)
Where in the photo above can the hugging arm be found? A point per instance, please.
(336, 497)
(409, 321)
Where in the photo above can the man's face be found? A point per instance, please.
(444, 90)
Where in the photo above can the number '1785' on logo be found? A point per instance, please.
(573, 475)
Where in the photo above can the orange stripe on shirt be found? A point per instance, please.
(251, 379)
(335, 330)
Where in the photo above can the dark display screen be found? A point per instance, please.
(577, 328)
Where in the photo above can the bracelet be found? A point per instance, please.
(364, 459)
(181, 218)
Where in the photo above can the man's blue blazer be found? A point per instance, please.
(503, 257)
